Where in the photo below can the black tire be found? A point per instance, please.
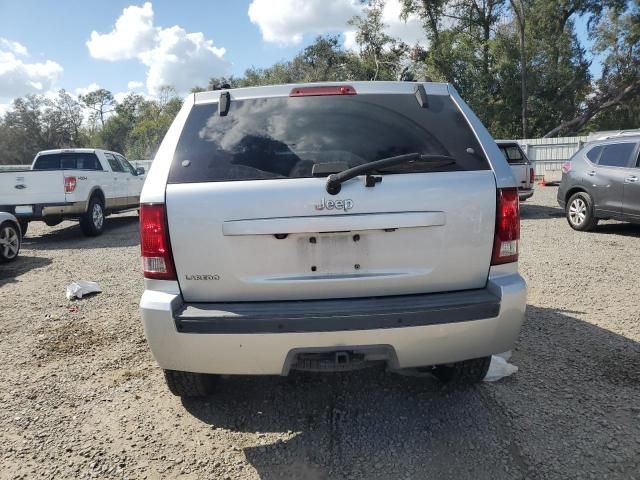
(92, 221)
(24, 226)
(579, 212)
(10, 241)
(188, 384)
(466, 372)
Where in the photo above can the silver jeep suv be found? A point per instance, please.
(329, 227)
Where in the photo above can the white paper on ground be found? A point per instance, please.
(81, 288)
(506, 355)
(499, 367)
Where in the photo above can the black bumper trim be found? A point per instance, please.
(337, 315)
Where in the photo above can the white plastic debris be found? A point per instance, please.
(82, 288)
(500, 367)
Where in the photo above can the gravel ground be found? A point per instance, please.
(81, 396)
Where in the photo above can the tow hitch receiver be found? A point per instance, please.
(339, 361)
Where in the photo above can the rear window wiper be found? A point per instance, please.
(334, 181)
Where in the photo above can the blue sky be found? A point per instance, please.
(140, 46)
(59, 30)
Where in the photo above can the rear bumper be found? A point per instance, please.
(525, 193)
(258, 338)
(47, 209)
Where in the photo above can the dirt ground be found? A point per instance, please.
(81, 397)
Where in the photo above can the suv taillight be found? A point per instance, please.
(507, 236)
(157, 261)
(69, 184)
(566, 167)
(532, 175)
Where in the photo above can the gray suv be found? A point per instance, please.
(602, 181)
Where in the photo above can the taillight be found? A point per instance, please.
(566, 167)
(532, 175)
(507, 236)
(322, 90)
(157, 261)
(69, 184)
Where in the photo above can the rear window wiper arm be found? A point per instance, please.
(334, 181)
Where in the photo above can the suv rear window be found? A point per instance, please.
(67, 161)
(283, 137)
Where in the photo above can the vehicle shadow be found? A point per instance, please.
(377, 425)
(624, 229)
(119, 231)
(9, 272)
(366, 424)
(531, 211)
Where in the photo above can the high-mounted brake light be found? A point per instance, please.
(507, 235)
(157, 261)
(69, 184)
(322, 90)
(566, 167)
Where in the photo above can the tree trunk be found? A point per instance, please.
(518, 8)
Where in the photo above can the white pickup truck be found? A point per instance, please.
(83, 183)
(521, 167)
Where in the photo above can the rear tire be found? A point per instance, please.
(462, 373)
(188, 384)
(579, 212)
(92, 221)
(10, 242)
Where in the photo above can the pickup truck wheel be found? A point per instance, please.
(579, 211)
(188, 384)
(466, 372)
(92, 222)
(9, 242)
(24, 226)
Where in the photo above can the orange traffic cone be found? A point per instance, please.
(542, 182)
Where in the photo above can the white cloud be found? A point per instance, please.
(92, 87)
(133, 84)
(12, 46)
(4, 108)
(172, 55)
(286, 21)
(132, 33)
(410, 32)
(182, 60)
(350, 42)
(20, 76)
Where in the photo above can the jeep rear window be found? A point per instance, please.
(67, 161)
(283, 137)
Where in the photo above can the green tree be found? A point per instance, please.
(615, 97)
(382, 56)
(100, 102)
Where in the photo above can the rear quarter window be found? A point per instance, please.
(594, 154)
(617, 154)
(283, 137)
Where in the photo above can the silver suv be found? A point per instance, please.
(329, 227)
(602, 181)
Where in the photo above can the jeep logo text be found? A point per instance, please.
(344, 205)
